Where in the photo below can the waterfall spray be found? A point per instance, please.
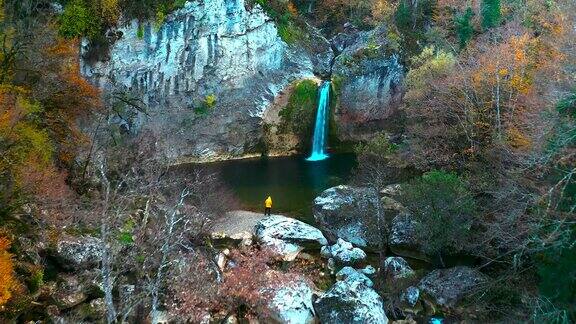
(320, 128)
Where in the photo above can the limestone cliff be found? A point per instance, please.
(368, 78)
(215, 48)
(213, 73)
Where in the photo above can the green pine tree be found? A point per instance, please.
(491, 13)
(403, 16)
(464, 28)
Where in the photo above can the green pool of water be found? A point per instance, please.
(292, 181)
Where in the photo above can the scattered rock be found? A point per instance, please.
(69, 292)
(30, 250)
(395, 268)
(94, 311)
(76, 253)
(369, 270)
(291, 302)
(344, 253)
(221, 261)
(232, 319)
(391, 190)
(349, 213)
(448, 286)
(288, 236)
(331, 264)
(350, 301)
(411, 295)
(351, 274)
(306, 256)
(52, 311)
(404, 321)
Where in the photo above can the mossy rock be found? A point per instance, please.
(299, 114)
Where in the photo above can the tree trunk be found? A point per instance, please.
(497, 99)
(107, 282)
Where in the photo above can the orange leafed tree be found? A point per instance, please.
(7, 280)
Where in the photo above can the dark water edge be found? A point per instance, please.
(292, 182)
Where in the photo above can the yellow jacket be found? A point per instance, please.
(268, 202)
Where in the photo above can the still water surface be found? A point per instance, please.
(292, 181)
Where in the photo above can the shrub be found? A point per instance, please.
(140, 31)
(206, 105)
(210, 100)
(35, 280)
(558, 281)
(443, 208)
(379, 146)
(284, 15)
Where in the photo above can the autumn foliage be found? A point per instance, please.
(7, 280)
(247, 282)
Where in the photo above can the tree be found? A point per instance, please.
(464, 28)
(376, 170)
(152, 223)
(443, 208)
(7, 280)
(491, 13)
(403, 15)
(26, 163)
(77, 20)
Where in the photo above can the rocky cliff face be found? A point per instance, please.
(369, 81)
(216, 48)
(212, 75)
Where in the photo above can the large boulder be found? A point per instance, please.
(349, 213)
(288, 236)
(403, 240)
(351, 301)
(77, 253)
(69, 292)
(448, 286)
(344, 253)
(395, 268)
(237, 227)
(290, 302)
(370, 83)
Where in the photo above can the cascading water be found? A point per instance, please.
(320, 129)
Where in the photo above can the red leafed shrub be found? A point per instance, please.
(247, 282)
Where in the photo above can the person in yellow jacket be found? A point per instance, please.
(268, 206)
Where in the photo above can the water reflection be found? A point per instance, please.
(292, 182)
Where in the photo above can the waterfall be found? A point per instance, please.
(320, 128)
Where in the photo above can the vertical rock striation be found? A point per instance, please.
(216, 48)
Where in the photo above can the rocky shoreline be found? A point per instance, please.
(354, 297)
(350, 287)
